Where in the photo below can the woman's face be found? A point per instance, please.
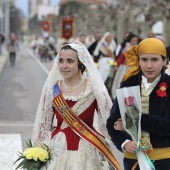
(109, 38)
(151, 66)
(134, 41)
(68, 64)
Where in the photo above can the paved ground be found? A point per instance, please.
(16, 128)
(9, 143)
(3, 59)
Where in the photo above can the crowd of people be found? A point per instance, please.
(104, 49)
(108, 55)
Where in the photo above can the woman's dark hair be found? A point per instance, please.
(130, 36)
(81, 66)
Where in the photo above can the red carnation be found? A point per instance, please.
(161, 92)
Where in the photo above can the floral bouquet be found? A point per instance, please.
(129, 101)
(33, 158)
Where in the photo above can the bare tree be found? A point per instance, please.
(127, 13)
(15, 19)
(119, 16)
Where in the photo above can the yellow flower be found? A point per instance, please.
(28, 153)
(96, 64)
(33, 156)
(36, 153)
(112, 63)
(42, 158)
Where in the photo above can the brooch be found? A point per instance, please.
(161, 92)
(63, 109)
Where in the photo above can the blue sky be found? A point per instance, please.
(23, 5)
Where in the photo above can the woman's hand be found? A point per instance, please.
(130, 146)
(118, 125)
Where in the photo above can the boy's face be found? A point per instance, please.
(151, 66)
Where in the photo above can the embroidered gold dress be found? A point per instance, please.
(145, 109)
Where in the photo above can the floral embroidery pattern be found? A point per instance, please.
(161, 92)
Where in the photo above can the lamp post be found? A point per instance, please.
(1, 15)
(7, 18)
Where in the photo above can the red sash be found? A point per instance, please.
(80, 128)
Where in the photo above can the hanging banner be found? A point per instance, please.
(45, 25)
(67, 27)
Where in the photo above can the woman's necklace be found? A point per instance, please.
(74, 87)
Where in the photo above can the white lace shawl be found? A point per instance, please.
(43, 121)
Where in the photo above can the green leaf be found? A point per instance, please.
(17, 161)
(27, 143)
(21, 164)
(21, 154)
(30, 143)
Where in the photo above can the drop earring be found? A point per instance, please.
(80, 73)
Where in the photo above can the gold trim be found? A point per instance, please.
(156, 154)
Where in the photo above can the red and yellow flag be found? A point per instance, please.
(68, 27)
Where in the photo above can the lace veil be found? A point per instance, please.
(100, 47)
(45, 113)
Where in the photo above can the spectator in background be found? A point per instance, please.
(82, 39)
(122, 45)
(105, 48)
(150, 34)
(34, 44)
(131, 40)
(168, 59)
(89, 40)
(12, 48)
(168, 51)
(2, 39)
(162, 38)
(92, 47)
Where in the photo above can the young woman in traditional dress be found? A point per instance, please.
(72, 114)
